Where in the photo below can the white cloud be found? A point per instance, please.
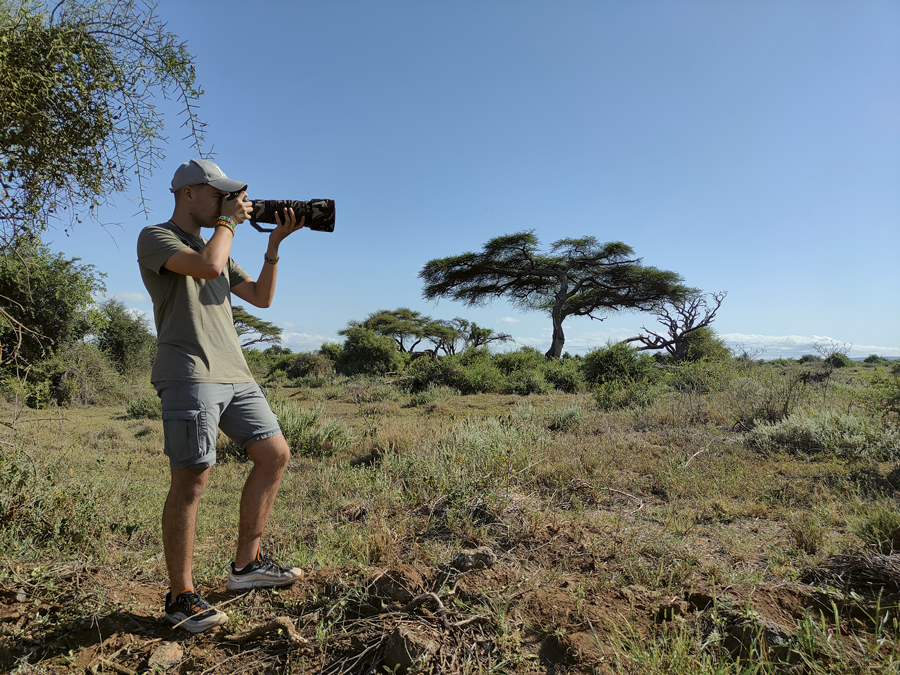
(297, 341)
(509, 319)
(132, 297)
(793, 346)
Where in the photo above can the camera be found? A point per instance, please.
(319, 213)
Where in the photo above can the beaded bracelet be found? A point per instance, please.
(226, 221)
(272, 261)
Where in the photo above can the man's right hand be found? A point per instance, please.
(238, 208)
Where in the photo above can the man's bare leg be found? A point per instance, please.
(270, 458)
(179, 523)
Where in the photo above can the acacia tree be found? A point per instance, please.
(78, 121)
(681, 319)
(471, 334)
(577, 277)
(252, 330)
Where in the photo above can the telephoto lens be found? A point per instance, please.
(319, 213)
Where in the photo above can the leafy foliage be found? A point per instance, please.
(46, 298)
(365, 352)
(125, 338)
(616, 362)
(578, 277)
(78, 120)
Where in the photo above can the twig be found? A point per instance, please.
(281, 623)
(684, 466)
(117, 667)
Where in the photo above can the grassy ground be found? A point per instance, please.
(662, 529)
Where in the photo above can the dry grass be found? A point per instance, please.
(664, 499)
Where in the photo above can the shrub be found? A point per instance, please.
(618, 361)
(365, 352)
(702, 343)
(78, 374)
(310, 364)
(699, 377)
(838, 360)
(521, 360)
(144, 408)
(809, 358)
(525, 382)
(843, 435)
(566, 375)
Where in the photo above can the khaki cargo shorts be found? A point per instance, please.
(193, 413)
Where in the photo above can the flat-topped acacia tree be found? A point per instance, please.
(576, 277)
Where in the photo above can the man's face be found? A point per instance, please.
(206, 204)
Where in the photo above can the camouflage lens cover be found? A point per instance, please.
(319, 213)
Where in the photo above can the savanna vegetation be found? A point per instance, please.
(458, 509)
(480, 512)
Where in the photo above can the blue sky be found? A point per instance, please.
(752, 147)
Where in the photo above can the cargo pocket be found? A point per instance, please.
(184, 433)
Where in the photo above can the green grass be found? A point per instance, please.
(716, 480)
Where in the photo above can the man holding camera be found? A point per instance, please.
(203, 380)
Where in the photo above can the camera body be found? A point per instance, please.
(319, 213)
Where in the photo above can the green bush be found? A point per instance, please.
(77, 374)
(618, 361)
(838, 360)
(815, 433)
(310, 364)
(702, 343)
(521, 360)
(525, 382)
(699, 377)
(365, 352)
(809, 358)
(566, 375)
(144, 408)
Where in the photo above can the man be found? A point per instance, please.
(203, 380)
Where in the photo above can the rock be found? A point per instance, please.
(405, 647)
(474, 559)
(165, 656)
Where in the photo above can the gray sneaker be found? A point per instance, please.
(262, 573)
(191, 612)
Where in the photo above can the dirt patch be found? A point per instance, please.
(338, 620)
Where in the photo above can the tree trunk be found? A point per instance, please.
(559, 338)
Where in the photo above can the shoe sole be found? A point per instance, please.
(237, 584)
(179, 621)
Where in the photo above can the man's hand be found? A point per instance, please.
(284, 229)
(238, 208)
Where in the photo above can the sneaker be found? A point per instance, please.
(192, 612)
(261, 573)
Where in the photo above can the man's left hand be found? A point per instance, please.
(289, 226)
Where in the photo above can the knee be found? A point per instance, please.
(188, 484)
(271, 453)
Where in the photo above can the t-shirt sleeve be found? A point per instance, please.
(236, 273)
(155, 246)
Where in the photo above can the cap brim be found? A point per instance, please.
(228, 185)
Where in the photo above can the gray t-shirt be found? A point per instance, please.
(194, 326)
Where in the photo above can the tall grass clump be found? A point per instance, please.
(826, 432)
(144, 408)
(307, 432)
(878, 525)
(620, 394)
